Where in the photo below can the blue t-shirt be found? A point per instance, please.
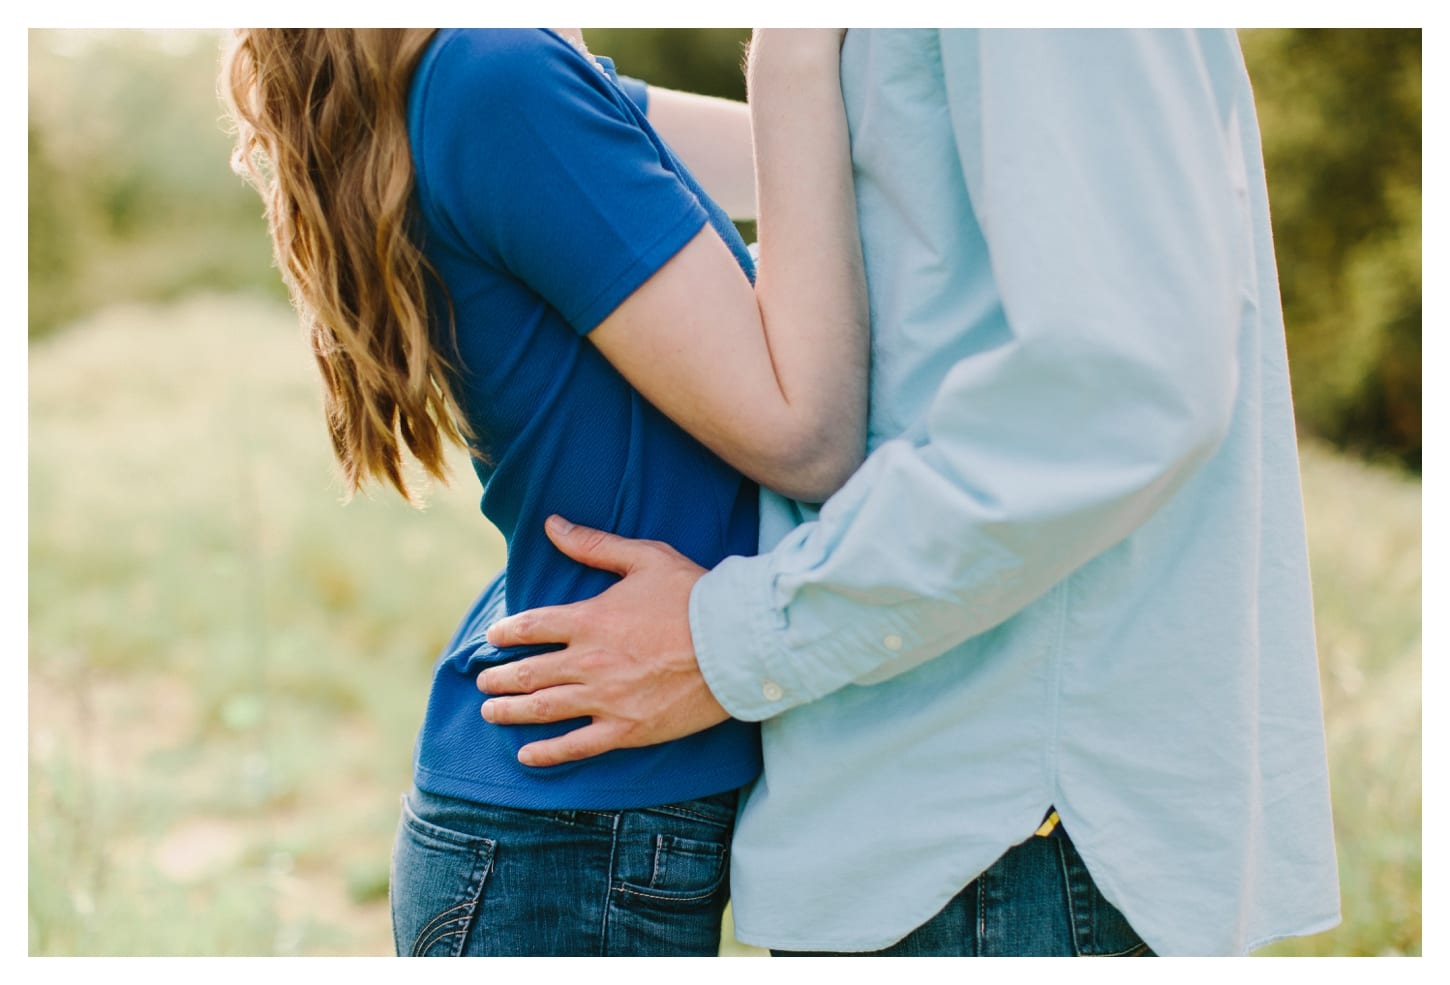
(546, 199)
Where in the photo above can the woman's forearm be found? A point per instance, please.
(772, 378)
(811, 282)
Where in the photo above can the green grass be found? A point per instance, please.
(1365, 555)
(227, 667)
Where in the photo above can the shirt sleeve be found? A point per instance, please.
(536, 162)
(1096, 164)
(637, 91)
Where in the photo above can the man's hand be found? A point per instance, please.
(628, 661)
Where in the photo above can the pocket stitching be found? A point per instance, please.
(1137, 950)
(439, 934)
(438, 920)
(438, 927)
(631, 891)
(717, 855)
(469, 907)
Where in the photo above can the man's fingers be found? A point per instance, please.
(527, 675)
(583, 742)
(599, 549)
(547, 624)
(555, 704)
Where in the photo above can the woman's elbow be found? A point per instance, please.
(811, 467)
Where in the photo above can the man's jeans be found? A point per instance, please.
(1036, 900)
(470, 879)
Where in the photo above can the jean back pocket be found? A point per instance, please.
(437, 886)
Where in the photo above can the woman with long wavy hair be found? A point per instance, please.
(493, 239)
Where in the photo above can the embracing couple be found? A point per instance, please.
(984, 632)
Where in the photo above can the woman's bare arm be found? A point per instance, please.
(712, 136)
(772, 379)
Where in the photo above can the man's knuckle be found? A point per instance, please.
(561, 623)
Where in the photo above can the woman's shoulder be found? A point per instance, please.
(496, 63)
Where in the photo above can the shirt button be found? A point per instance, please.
(772, 691)
(892, 642)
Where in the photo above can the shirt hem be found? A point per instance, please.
(745, 936)
(1319, 927)
(622, 797)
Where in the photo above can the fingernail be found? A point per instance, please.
(557, 524)
(487, 714)
(526, 756)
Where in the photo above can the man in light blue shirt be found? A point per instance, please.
(1071, 573)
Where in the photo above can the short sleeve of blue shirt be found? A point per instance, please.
(534, 160)
(637, 91)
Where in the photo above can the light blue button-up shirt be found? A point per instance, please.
(1072, 570)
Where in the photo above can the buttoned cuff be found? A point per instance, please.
(738, 640)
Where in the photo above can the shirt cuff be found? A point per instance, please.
(737, 638)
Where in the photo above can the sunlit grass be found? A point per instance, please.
(227, 667)
(1365, 554)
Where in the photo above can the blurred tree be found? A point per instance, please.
(131, 196)
(707, 60)
(1340, 113)
(51, 258)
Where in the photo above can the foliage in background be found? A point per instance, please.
(700, 60)
(131, 194)
(1340, 113)
(131, 197)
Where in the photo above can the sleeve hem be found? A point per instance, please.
(641, 269)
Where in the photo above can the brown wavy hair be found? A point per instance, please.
(320, 117)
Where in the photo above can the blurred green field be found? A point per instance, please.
(227, 666)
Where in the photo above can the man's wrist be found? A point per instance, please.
(731, 625)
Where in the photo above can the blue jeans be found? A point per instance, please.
(472, 879)
(1036, 900)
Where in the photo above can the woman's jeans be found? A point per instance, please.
(471, 879)
(1036, 900)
